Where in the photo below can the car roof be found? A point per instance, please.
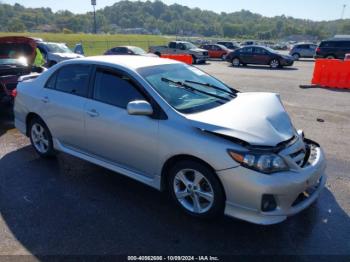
(254, 46)
(306, 43)
(127, 61)
(337, 40)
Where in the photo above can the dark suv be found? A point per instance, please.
(334, 48)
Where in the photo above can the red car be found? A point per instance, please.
(17, 55)
(216, 51)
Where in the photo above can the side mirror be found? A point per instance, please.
(140, 108)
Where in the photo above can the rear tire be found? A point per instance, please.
(296, 56)
(51, 63)
(41, 139)
(196, 189)
(236, 62)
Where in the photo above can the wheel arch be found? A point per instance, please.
(29, 118)
(177, 158)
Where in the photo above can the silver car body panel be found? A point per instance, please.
(139, 146)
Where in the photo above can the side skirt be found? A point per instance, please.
(152, 182)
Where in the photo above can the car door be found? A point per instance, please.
(63, 104)
(261, 56)
(217, 51)
(246, 55)
(115, 136)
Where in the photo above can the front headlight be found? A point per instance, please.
(267, 163)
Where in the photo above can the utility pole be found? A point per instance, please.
(93, 3)
(343, 12)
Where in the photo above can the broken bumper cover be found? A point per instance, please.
(293, 191)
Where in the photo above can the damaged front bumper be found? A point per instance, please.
(269, 199)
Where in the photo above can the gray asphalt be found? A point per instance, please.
(66, 206)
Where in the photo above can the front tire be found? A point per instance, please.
(194, 60)
(274, 63)
(41, 138)
(196, 189)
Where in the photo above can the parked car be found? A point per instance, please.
(180, 47)
(303, 50)
(259, 55)
(55, 53)
(216, 51)
(333, 49)
(229, 44)
(174, 127)
(128, 50)
(17, 55)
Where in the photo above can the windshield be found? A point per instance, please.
(22, 61)
(190, 46)
(58, 48)
(270, 49)
(138, 50)
(183, 99)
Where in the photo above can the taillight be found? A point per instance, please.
(14, 92)
(318, 50)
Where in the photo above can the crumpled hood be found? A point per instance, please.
(256, 118)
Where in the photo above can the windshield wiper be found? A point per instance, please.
(211, 86)
(192, 89)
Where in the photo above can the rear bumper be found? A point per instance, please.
(245, 189)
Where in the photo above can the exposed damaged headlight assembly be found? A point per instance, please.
(265, 162)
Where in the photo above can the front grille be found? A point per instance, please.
(299, 157)
(298, 152)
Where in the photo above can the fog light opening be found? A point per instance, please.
(268, 203)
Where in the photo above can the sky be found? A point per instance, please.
(308, 9)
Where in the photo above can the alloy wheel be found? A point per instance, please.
(274, 63)
(40, 138)
(193, 191)
(236, 62)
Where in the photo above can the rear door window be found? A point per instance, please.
(260, 51)
(74, 79)
(248, 50)
(328, 44)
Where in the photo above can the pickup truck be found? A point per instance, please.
(181, 47)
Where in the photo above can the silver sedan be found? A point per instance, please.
(174, 127)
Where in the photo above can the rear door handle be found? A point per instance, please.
(93, 113)
(45, 100)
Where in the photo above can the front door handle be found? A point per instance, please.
(45, 100)
(93, 113)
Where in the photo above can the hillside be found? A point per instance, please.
(156, 17)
